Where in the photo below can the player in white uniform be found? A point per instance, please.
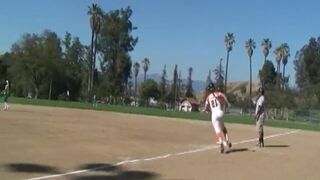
(214, 102)
(260, 116)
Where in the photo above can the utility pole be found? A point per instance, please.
(220, 77)
(175, 96)
(220, 70)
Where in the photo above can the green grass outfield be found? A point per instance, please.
(242, 119)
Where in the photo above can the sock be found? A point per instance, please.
(225, 132)
(227, 137)
(218, 136)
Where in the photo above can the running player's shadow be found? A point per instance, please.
(276, 146)
(236, 150)
(125, 175)
(99, 167)
(31, 168)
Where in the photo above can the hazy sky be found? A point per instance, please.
(189, 33)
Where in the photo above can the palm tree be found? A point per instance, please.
(136, 68)
(266, 46)
(228, 41)
(250, 46)
(95, 13)
(285, 54)
(278, 54)
(97, 31)
(145, 66)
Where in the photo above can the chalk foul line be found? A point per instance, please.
(159, 157)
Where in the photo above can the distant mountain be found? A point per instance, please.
(236, 87)
(154, 76)
(198, 86)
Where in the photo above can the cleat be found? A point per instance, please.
(229, 144)
(221, 148)
(258, 144)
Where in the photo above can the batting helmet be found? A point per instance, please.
(210, 87)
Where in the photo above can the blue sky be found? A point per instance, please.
(189, 33)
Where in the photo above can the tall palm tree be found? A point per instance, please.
(97, 31)
(228, 41)
(136, 68)
(285, 54)
(266, 46)
(282, 53)
(250, 46)
(145, 66)
(95, 13)
(278, 54)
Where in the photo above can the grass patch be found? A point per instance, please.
(241, 119)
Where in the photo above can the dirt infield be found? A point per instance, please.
(59, 143)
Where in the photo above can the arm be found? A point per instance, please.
(258, 112)
(206, 106)
(259, 108)
(6, 89)
(225, 99)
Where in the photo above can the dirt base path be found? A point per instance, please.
(58, 143)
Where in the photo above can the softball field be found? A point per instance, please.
(60, 143)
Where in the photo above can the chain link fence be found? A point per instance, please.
(299, 115)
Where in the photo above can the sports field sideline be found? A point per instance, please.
(59, 143)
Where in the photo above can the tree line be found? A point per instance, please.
(280, 96)
(48, 66)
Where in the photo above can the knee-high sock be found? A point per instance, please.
(218, 136)
(222, 138)
(225, 132)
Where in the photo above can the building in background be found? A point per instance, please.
(189, 105)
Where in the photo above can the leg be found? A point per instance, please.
(260, 131)
(261, 138)
(217, 130)
(6, 106)
(219, 133)
(225, 132)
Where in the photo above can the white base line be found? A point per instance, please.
(160, 157)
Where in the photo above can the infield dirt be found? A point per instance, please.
(45, 141)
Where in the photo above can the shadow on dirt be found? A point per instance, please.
(31, 168)
(237, 150)
(94, 171)
(112, 172)
(126, 175)
(276, 146)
